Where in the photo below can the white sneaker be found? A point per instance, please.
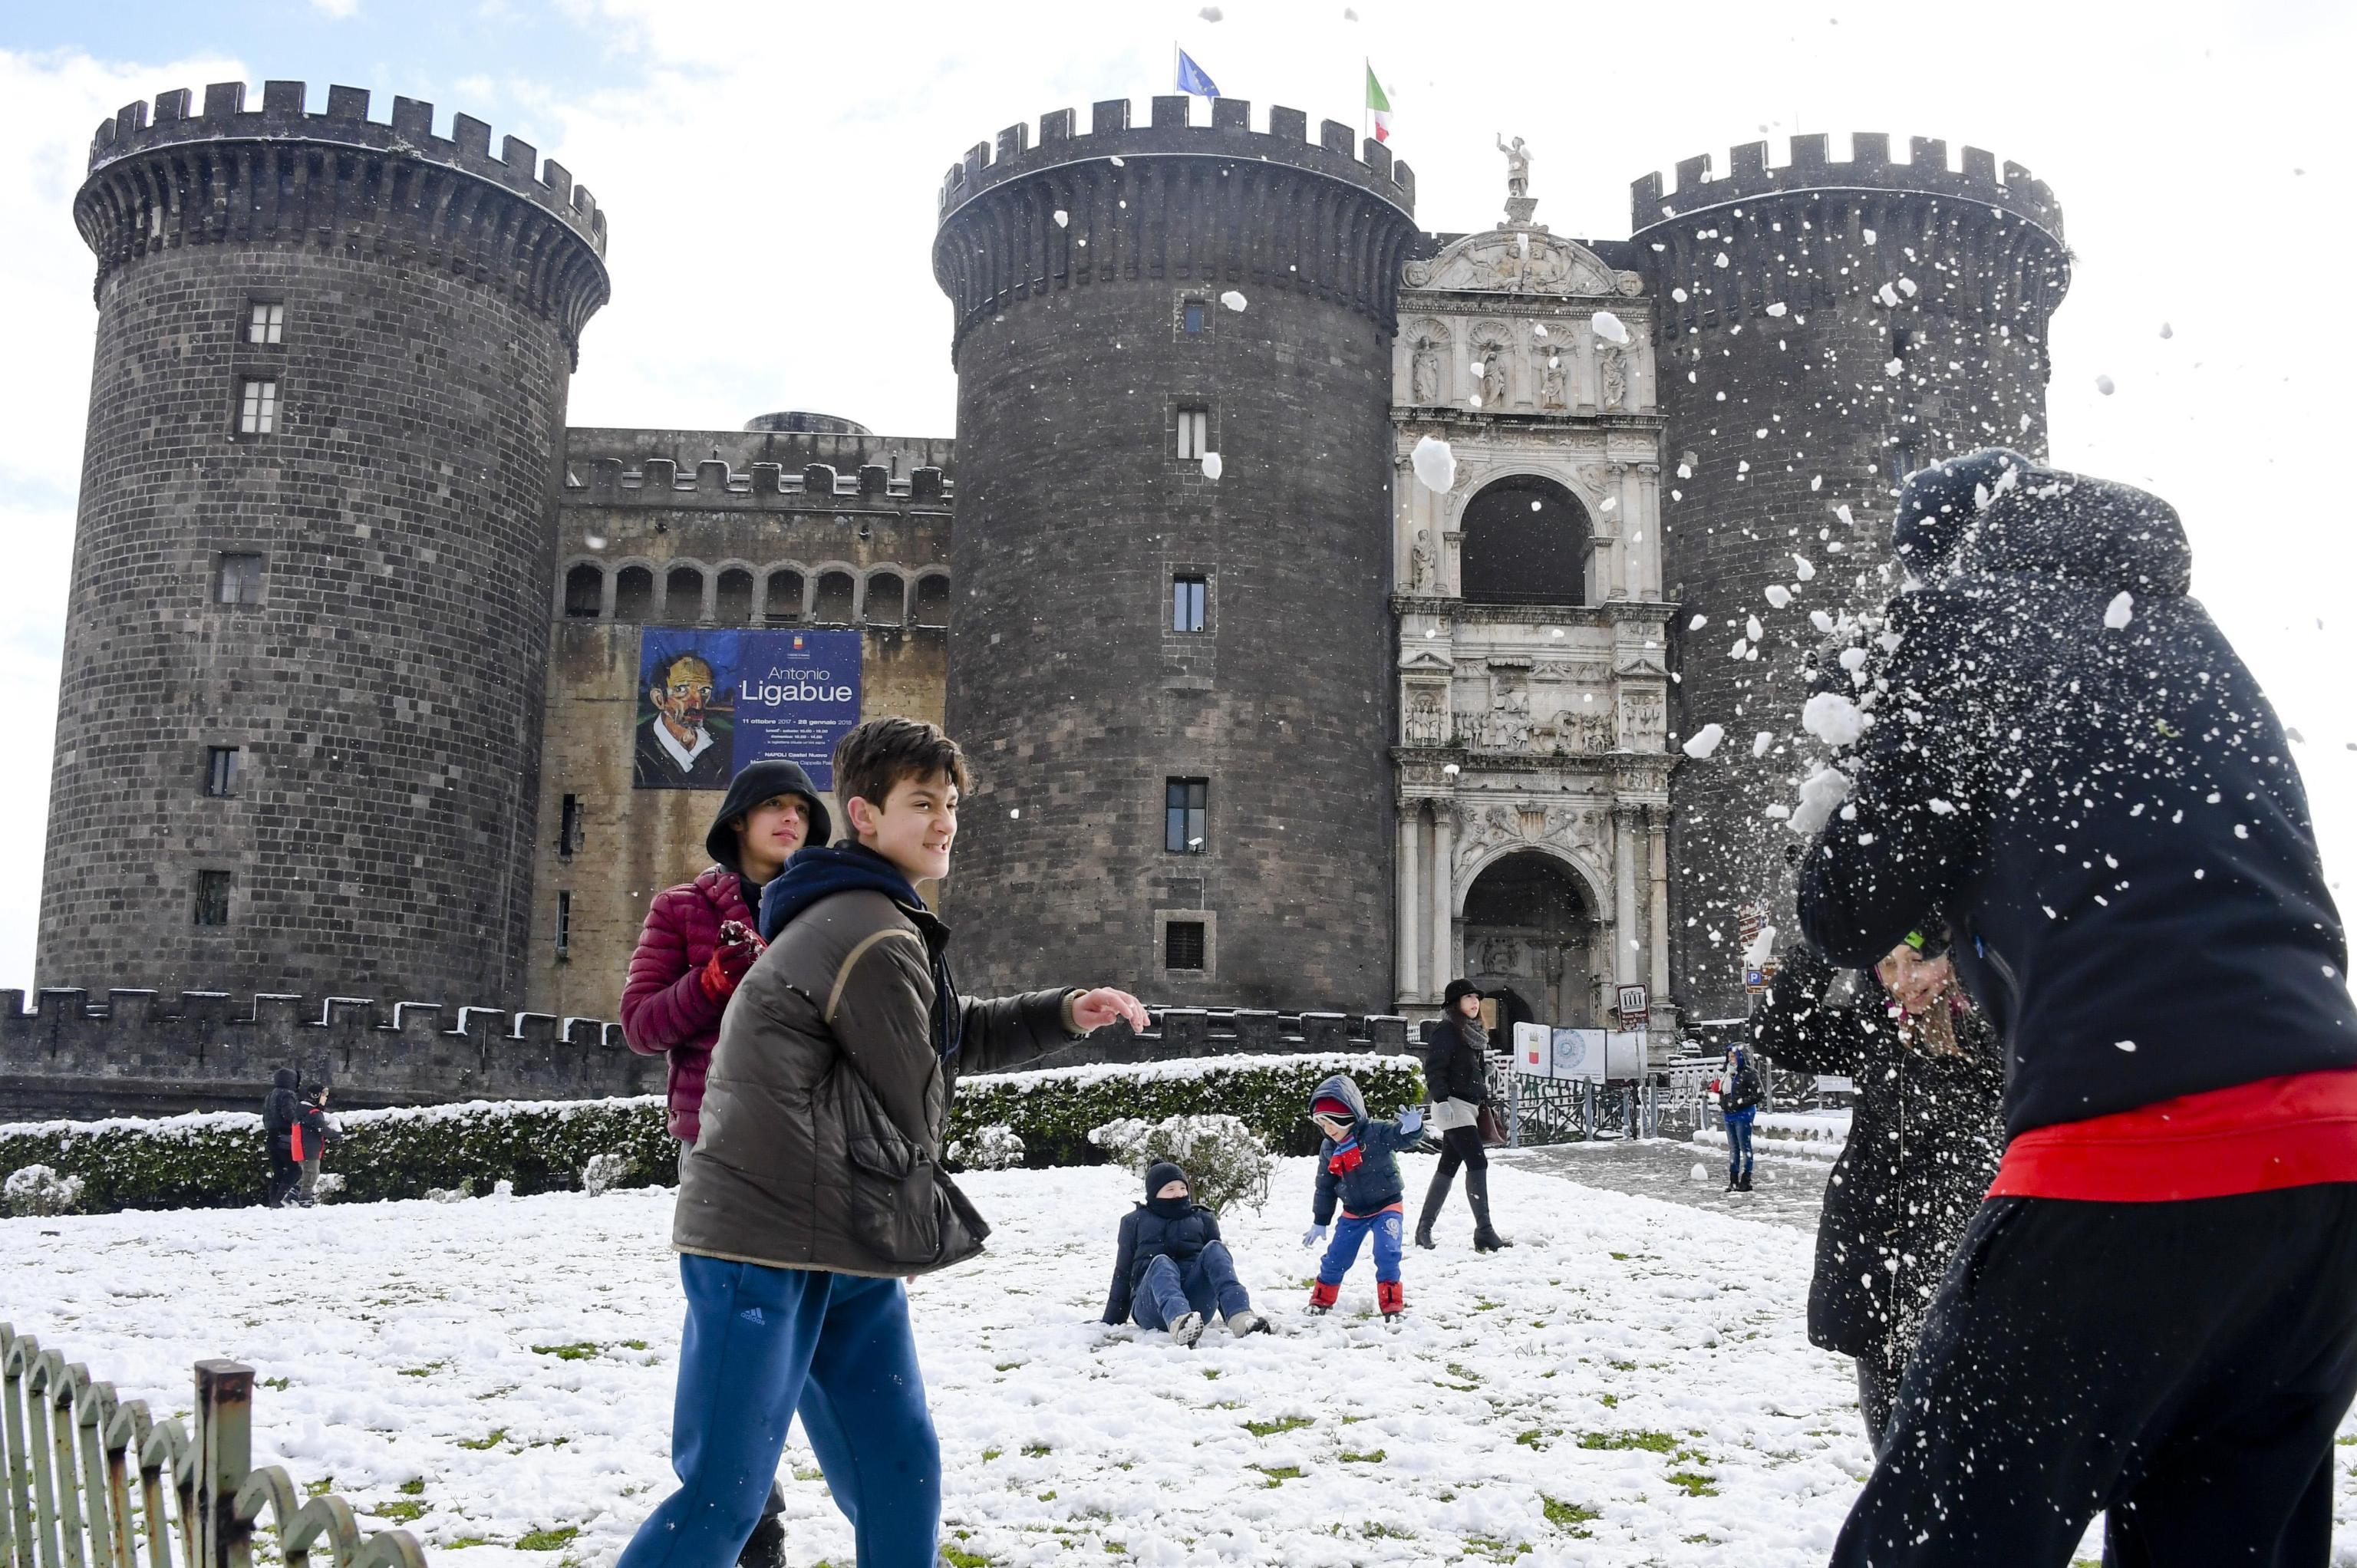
(1246, 1322)
(1188, 1329)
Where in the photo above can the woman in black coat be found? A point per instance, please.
(1457, 1072)
(280, 1111)
(1925, 1137)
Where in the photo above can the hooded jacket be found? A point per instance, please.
(1925, 1136)
(1371, 1183)
(281, 1109)
(2070, 759)
(666, 1012)
(1173, 1228)
(827, 1094)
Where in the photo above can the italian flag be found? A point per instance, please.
(1379, 106)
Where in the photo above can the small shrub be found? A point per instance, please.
(997, 1147)
(40, 1190)
(1225, 1162)
(327, 1186)
(448, 1193)
(605, 1172)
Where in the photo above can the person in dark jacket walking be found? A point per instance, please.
(1457, 1075)
(1925, 1134)
(314, 1130)
(1171, 1270)
(1358, 1168)
(2154, 1317)
(815, 1188)
(280, 1111)
(1740, 1094)
(699, 938)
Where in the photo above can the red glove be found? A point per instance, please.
(726, 966)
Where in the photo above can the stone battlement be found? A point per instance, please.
(659, 482)
(345, 122)
(1869, 168)
(1171, 134)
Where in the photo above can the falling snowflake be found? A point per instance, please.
(1822, 794)
(1894, 367)
(2120, 611)
(1211, 464)
(1703, 741)
(1833, 718)
(1779, 595)
(1803, 569)
(1608, 327)
(1697, 623)
(2164, 330)
(1210, 13)
(1233, 300)
(1435, 463)
(1822, 621)
(1752, 629)
(1853, 660)
(1761, 742)
(1063, 218)
(1779, 308)
(2104, 385)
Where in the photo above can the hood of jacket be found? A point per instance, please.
(1341, 1088)
(282, 1079)
(754, 783)
(819, 873)
(2096, 533)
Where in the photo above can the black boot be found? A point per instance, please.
(766, 1547)
(1745, 1183)
(1477, 1191)
(1434, 1196)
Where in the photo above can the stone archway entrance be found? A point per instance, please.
(1529, 931)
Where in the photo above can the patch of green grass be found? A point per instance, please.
(462, 1542)
(1006, 1366)
(274, 1383)
(1386, 1533)
(1282, 1424)
(1695, 1485)
(1469, 1375)
(1212, 1374)
(1496, 1551)
(1607, 1400)
(1279, 1474)
(633, 1344)
(320, 1487)
(1479, 1305)
(1372, 1457)
(547, 1539)
(427, 1370)
(1619, 1257)
(498, 1436)
(1572, 1516)
(1037, 1450)
(580, 1350)
(813, 1473)
(1532, 1438)
(990, 1454)
(957, 1557)
(413, 1487)
(1650, 1441)
(1048, 1496)
(1118, 1548)
(400, 1513)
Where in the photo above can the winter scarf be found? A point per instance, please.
(814, 873)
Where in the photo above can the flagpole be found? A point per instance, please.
(1365, 108)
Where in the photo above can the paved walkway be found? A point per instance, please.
(1785, 1191)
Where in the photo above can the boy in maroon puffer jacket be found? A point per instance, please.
(689, 960)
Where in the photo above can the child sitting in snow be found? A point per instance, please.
(1173, 1271)
(1356, 1165)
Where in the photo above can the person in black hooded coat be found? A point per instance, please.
(1457, 1075)
(1172, 1271)
(2154, 1317)
(1925, 1134)
(280, 1111)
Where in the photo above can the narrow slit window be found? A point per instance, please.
(1187, 599)
(1183, 945)
(568, 827)
(1194, 431)
(257, 406)
(1186, 815)
(564, 924)
(212, 898)
(221, 772)
(267, 323)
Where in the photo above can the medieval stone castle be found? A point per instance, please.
(365, 643)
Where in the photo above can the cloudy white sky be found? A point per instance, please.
(769, 173)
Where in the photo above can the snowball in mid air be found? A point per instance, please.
(1435, 463)
(1233, 300)
(1833, 718)
(1212, 466)
(2120, 611)
(1779, 595)
(1704, 741)
(1608, 327)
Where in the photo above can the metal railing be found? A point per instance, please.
(1557, 1110)
(73, 1454)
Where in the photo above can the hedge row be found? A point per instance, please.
(215, 1160)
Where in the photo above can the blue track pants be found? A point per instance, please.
(760, 1346)
(1353, 1230)
(1208, 1285)
(1738, 1143)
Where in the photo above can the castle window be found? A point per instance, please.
(732, 601)
(634, 593)
(564, 925)
(1526, 541)
(684, 593)
(237, 580)
(221, 772)
(1183, 945)
(836, 594)
(933, 600)
(1194, 316)
(568, 827)
(266, 322)
(257, 405)
(888, 599)
(585, 592)
(212, 898)
(1194, 430)
(1186, 815)
(1187, 601)
(783, 602)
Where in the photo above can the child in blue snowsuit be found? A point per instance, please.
(1356, 1167)
(1738, 1102)
(1173, 1271)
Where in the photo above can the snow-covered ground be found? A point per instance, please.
(1629, 1384)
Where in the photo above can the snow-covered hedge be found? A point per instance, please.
(215, 1159)
(1225, 1162)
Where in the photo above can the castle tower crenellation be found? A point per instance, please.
(307, 630)
(1823, 328)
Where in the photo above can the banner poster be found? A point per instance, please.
(1574, 1054)
(713, 700)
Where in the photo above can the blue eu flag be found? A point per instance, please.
(1192, 79)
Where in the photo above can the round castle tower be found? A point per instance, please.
(1822, 329)
(299, 728)
(1204, 814)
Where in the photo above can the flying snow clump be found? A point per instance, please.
(1853, 659)
(1063, 218)
(1233, 299)
(2103, 384)
(1763, 741)
(1753, 629)
(1802, 568)
(1211, 464)
(2120, 611)
(1822, 621)
(1833, 718)
(1608, 327)
(1210, 13)
(1822, 794)
(1779, 308)
(1763, 947)
(1779, 595)
(1435, 463)
(1697, 623)
(1895, 367)
(1704, 741)
(2167, 332)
